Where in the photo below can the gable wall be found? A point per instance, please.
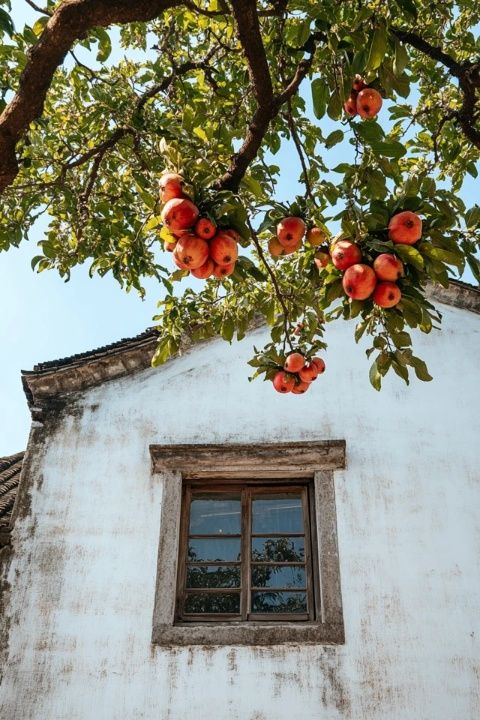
(78, 616)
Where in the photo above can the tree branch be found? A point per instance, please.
(71, 21)
(467, 73)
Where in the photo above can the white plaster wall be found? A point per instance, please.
(83, 573)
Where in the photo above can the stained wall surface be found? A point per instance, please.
(78, 599)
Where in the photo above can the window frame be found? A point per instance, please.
(316, 461)
(248, 489)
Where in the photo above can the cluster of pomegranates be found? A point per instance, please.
(297, 374)
(363, 100)
(360, 281)
(197, 244)
(290, 234)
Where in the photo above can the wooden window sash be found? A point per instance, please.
(247, 492)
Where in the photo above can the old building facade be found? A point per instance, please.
(380, 613)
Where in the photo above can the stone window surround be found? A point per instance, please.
(316, 460)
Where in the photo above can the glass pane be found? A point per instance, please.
(277, 514)
(278, 549)
(279, 602)
(215, 515)
(274, 576)
(214, 549)
(213, 576)
(211, 603)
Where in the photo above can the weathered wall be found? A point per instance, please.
(79, 608)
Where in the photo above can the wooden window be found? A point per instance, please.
(246, 552)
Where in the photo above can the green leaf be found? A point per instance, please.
(334, 138)
(6, 23)
(320, 95)
(378, 47)
(334, 108)
(420, 368)
(401, 58)
(104, 44)
(375, 376)
(410, 255)
(228, 329)
(393, 149)
(200, 133)
(408, 6)
(162, 353)
(472, 217)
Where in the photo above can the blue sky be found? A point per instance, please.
(44, 318)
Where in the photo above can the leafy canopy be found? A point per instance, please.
(215, 91)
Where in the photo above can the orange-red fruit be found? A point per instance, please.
(316, 236)
(350, 106)
(223, 249)
(359, 281)
(300, 388)
(319, 364)
(179, 214)
(274, 247)
(204, 271)
(294, 362)
(293, 248)
(178, 262)
(221, 271)
(345, 253)
(171, 186)
(192, 251)
(358, 83)
(233, 234)
(369, 102)
(290, 231)
(387, 294)
(205, 228)
(170, 246)
(283, 383)
(405, 228)
(308, 373)
(321, 259)
(388, 267)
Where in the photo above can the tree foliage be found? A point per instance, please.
(214, 90)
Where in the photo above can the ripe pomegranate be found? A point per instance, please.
(179, 214)
(319, 364)
(192, 251)
(388, 267)
(359, 281)
(204, 271)
(350, 105)
(369, 102)
(170, 246)
(358, 83)
(405, 228)
(300, 388)
(293, 248)
(294, 362)
(205, 228)
(290, 231)
(223, 249)
(387, 294)
(221, 271)
(321, 259)
(345, 253)
(283, 382)
(233, 234)
(274, 247)
(308, 373)
(178, 262)
(171, 186)
(316, 236)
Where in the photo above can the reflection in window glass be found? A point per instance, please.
(215, 516)
(277, 514)
(213, 576)
(213, 549)
(279, 602)
(212, 603)
(278, 576)
(286, 549)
